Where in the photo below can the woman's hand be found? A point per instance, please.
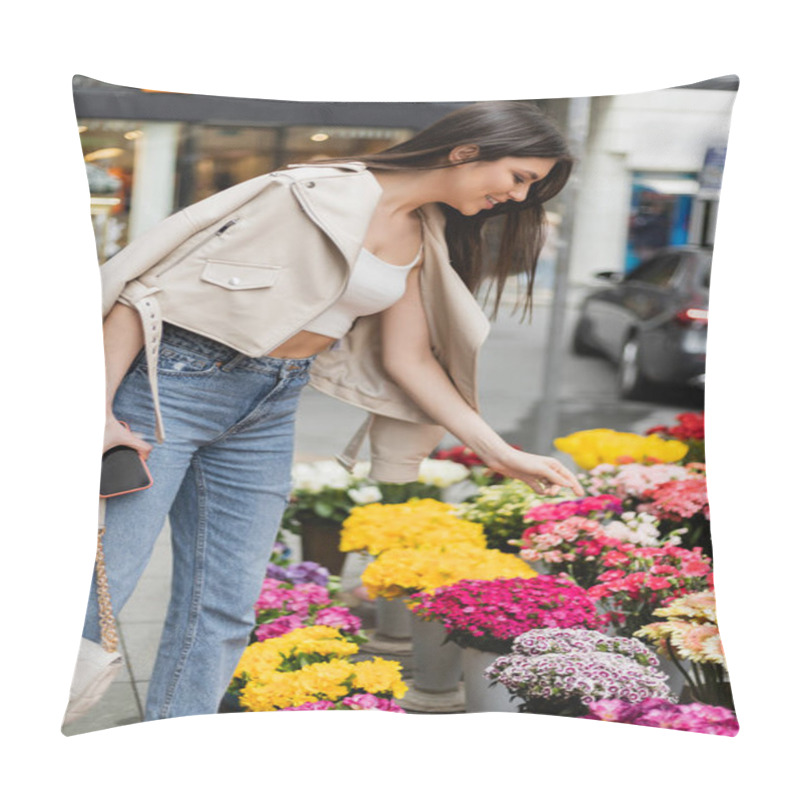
(543, 474)
(118, 434)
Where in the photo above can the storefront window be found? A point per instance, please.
(216, 157)
(661, 205)
(172, 165)
(108, 152)
(307, 144)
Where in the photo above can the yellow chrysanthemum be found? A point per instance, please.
(271, 686)
(326, 680)
(379, 676)
(261, 658)
(419, 522)
(395, 573)
(606, 446)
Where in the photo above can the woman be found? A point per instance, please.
(342, 264)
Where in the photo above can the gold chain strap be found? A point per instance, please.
(108, 629)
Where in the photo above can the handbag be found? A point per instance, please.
(98, 664)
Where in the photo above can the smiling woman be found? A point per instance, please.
(513, 141)
(227, 308)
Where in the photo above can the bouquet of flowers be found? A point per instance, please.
(576, 546)
(689, 631)
(310, 668)
(489, 614)
(500, 509)
(605, 446)
(641, 529)
(642, 579)
(404, 571)
(657, 713)
(282, 608)
(570, 534)
(682, 503)
(631, 482)
(416, 523)
(561, 671)
(690, 429)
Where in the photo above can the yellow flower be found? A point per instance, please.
(403, 571)
(379, 676)
(378, 527)
(606, 446)
(274, 681)
(326, 680)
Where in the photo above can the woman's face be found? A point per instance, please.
(481, 185)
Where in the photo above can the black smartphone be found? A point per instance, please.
(123, 471)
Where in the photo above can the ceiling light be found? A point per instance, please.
(105, 152)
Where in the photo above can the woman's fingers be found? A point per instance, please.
(557, 473)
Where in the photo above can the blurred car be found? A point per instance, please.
(651, 322)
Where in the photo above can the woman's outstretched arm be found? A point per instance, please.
(408, 360)
(122, 341)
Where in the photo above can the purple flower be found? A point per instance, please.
(304, 572)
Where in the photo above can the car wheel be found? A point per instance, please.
(580, 340)
(631, 383)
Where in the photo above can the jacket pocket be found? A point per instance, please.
(236, 275)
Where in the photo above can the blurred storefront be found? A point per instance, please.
(149, 154)
(650, 176)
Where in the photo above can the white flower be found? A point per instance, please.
(319, 475)
(361, 469)
(441, 473)
(366, 494)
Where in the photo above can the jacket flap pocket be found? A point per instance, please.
(237, 275)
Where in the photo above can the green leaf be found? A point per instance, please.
(323, 509)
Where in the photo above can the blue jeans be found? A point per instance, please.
(223, 476)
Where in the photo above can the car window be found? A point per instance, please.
(658, 271)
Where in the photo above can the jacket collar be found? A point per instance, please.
(340, 199)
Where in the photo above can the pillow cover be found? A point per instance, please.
(462, 591)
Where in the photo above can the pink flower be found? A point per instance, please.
(695, 568)
(278, 627)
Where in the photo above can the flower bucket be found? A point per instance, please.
(479, 695)
(676, 680)
(436, 665)
(393, 619)
(320, 540)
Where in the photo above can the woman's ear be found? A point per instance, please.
(464, 152)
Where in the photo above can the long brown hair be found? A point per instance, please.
(500, 129)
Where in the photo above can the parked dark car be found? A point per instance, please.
(651, 322)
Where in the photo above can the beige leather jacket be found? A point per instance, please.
(252, 265)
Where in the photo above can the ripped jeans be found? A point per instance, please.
(223, 477)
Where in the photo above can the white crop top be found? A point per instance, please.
(373, 286)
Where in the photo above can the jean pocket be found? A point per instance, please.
(182, 362)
